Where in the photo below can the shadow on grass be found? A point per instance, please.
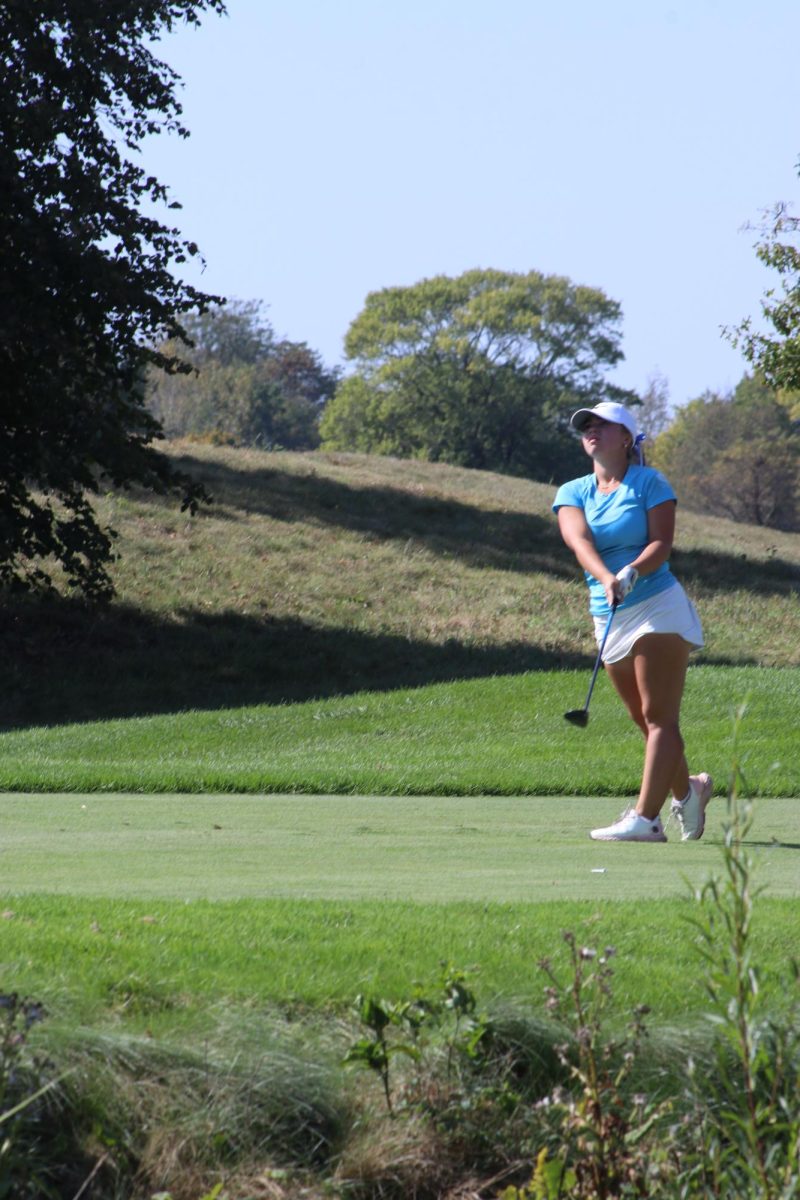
(773, 844)
(511, 541)
(64, 663)
(712, 572)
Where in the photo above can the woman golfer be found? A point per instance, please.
(619, 522)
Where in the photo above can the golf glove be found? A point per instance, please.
(627, 581)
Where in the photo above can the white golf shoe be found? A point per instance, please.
(691, 812)
(632, 827)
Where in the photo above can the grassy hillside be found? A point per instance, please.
(321, 574)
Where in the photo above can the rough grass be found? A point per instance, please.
(131, 1116)
(165, 968)
(259, 1103)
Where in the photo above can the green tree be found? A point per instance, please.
(247, 387)
(482, 370)
(229, 334)
(86, 283)
(775, 356)
(735, 456)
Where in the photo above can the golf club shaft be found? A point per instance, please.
(599, 658)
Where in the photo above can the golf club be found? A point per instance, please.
(580, 716)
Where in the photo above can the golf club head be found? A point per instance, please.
(577, 716)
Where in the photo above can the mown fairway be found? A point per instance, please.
(428, 849)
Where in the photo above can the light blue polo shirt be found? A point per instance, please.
(618, 523)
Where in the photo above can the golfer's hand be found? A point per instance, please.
(611, 588)
(626, 581)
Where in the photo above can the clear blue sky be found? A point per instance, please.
(340, 148)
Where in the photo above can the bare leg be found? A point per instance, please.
(660, 661)
(625, 678)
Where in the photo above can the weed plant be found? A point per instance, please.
(452, 1012)
(603, 1150)
(472, 1072)
(747, 1112)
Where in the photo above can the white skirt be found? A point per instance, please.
(670, 611)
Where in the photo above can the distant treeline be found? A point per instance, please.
(481, 371)
(247, 387)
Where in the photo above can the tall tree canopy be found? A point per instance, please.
(86, 284)
(248, 387)
(735, 456)
(481, 370)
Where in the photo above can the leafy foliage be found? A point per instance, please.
(776, 356)
(736, 456)
(247, 388)
(605, 1128)
(86, 284)
(482, 370)
(747, 1141)
(448, 1020)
